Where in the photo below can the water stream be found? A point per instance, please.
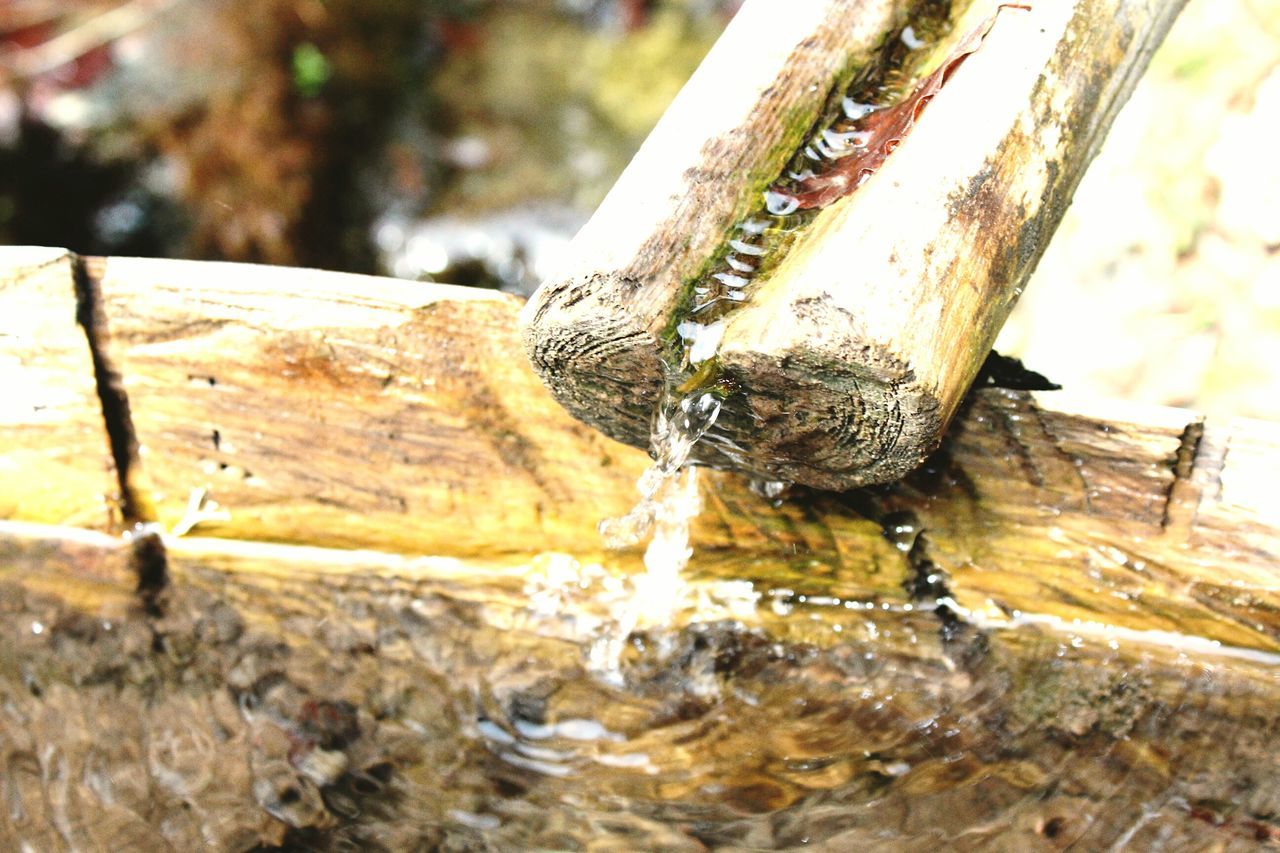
(438, 706)
(751, 701)
(864, 120)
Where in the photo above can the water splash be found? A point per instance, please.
(679, 425)
(602, 610)
(668, 505)
(853, 130)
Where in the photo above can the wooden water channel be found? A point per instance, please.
(357, 609)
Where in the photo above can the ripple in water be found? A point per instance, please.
(445, 708)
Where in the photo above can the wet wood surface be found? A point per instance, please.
(340, 411)
(856, 348)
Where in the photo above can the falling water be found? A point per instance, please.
(850, 133)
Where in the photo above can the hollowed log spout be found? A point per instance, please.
(857, 191)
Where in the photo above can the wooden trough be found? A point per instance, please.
(277, 547)
(850, 329)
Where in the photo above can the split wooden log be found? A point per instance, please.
(857, 343)
(346, 411)
(341, 411)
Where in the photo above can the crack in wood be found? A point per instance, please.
(148, 553)
(1011, 433)
(1075, 462)
(117, 418)
(1180, 497)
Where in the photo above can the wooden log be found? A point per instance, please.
(862, 334)
(1111, 517)
(54, 455)
(701, 170)
(356, 412)
(347, 411)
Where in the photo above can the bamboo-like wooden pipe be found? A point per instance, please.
(861, 335)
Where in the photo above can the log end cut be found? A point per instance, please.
(599, 361)
(832, 413)
(830, 416)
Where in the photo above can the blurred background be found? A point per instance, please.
(467, 140)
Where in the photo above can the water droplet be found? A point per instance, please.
(770, 489)
(901, 528)
(826, 151)
(857, 111)
(731, 280)
(700, 412)
(747, 248)
(846, 141)
(705, 341)
(779, 204)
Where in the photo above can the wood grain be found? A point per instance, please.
(349, 411)
(340, 411)
(1116, 514)
(54, 457)
(855, 351)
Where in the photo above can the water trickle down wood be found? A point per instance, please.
(855, 350)
(864, 121)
